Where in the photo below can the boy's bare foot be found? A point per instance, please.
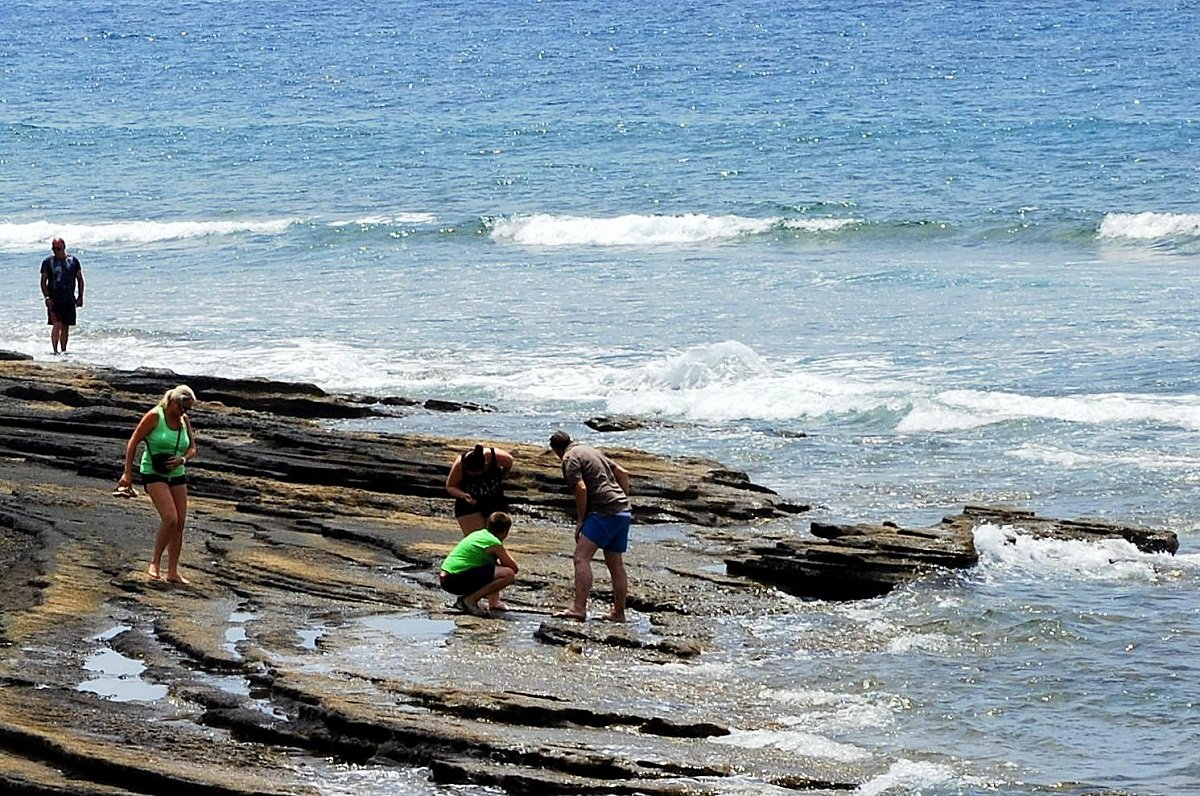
(177, 578)
(613, 616)
(469, 608)
(153, 572)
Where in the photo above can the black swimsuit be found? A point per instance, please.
(487, 488)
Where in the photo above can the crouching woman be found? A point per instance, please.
(480, 566)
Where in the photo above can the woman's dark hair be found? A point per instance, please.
(474, 459)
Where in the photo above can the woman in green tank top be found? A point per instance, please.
(170, 445)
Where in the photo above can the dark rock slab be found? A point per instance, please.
(851, 562)
(249, 429)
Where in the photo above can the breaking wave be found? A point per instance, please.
(542, 229)
(1150, 226)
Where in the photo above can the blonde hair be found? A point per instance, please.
(180, 393)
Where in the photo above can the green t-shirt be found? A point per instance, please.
(471, 552)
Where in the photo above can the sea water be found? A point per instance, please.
(889, 258)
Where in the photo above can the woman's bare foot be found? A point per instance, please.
(497, 606)
(177, 578)
(153, 572)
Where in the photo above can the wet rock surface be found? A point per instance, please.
(852, 562)
(314, 630)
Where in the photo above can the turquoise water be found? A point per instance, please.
(956, 246)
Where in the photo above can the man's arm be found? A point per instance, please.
(45, 283)
(79, 281)
(581, 497)
(622, 476)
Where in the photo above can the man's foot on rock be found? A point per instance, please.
(612, 616)
(570, 615)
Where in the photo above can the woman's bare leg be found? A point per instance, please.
(471, 522)
(179, 496)
(164, 504)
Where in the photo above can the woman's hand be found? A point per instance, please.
(177, 461)
(125, 480)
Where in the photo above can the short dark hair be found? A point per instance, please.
(499, 523)
(560, 440)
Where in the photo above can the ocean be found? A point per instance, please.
(889, 258)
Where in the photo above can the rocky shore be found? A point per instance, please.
(314, 631)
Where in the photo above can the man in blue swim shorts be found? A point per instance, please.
(601, 490)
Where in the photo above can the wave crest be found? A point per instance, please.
(37, 234)
(544, 229)
(1150, 226)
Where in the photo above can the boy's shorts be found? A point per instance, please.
(468, 581)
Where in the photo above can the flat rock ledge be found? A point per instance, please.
(314, 630)
(852, 562)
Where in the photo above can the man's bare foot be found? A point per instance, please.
(570, 615)
(613, 616)
(177, 578)
(153, 572)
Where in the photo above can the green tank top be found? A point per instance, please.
(164, 439)
(471, 552)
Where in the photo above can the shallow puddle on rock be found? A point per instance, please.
(411, 627)
(310, 636)
(237, 633)
(120, 678)
(240, 687)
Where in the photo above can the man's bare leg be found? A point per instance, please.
(620, 585)
(585, 549)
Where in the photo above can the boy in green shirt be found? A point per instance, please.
(479, 566)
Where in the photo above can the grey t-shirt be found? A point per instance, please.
(605, 496)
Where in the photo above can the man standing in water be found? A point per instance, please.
(61, 272)
(603, 515)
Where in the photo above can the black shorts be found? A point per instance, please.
(155, 478)
(484, 506)
(468, 581)
(61, 312)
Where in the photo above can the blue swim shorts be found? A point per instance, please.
(610, 534)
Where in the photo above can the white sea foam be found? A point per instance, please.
(37, 234)
(382, 220)
(543, 229)
(908, 776)
(329, 364)
(828, 711)
(799, 742)
(959, 409)
(820, 224)
(1004, 551)
(1150, 226)
(1153, 461)
(726, 381)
